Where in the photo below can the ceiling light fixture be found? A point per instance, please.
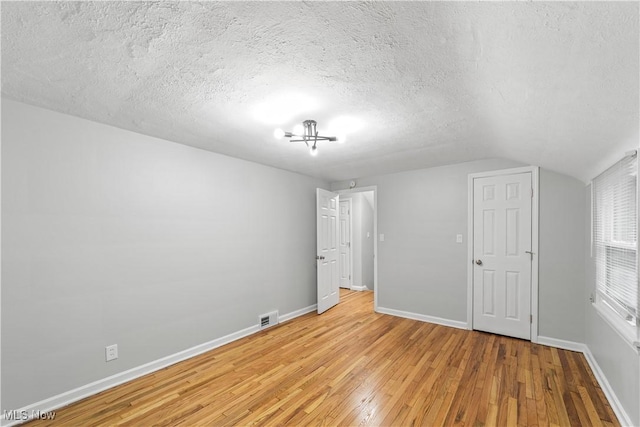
(307, 134)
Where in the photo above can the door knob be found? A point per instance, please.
(479, 261)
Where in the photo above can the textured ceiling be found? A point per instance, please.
(428, 83)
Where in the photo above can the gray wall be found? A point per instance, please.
(112, 237)
(561, 258)
(421, 268)
(356, 233)
(618, 361)
(367, 242)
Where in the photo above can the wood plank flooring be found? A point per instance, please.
(353, 367)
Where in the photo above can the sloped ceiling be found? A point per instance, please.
(418, 84)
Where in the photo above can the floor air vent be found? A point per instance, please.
(267, 320)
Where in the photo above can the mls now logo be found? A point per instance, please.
(16, 415)
(24, 415)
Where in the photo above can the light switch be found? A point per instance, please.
(368, 234)
(381, 237)
(458, 238)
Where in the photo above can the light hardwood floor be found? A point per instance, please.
(351, 366)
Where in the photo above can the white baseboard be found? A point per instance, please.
(66, 398)
(298, 313)
(563, 344)
(423, 318)
(622, 415)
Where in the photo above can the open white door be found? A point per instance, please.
(502, 254)
(327, 249)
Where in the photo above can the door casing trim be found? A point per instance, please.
(535, 203)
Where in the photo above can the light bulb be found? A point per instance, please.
(278, 133)
(313, 150)
(342, 138)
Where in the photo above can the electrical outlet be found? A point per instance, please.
(111, 352)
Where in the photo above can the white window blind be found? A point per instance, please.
(615, 237)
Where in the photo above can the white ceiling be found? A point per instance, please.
(552, 84)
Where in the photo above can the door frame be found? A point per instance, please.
(534, 170)
(350, 241)
(373, 188)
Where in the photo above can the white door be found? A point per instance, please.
(502, 254)
(327, 249)
(345, 244)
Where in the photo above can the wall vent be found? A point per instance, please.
(268, 320)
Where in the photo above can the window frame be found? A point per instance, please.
(606, 308)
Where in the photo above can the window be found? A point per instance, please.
(615, 244)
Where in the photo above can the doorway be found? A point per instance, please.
(362, 229)
(344, 244)
(503, 252)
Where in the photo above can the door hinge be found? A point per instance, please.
(349, 277)
(531, 318)
(532, 193)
